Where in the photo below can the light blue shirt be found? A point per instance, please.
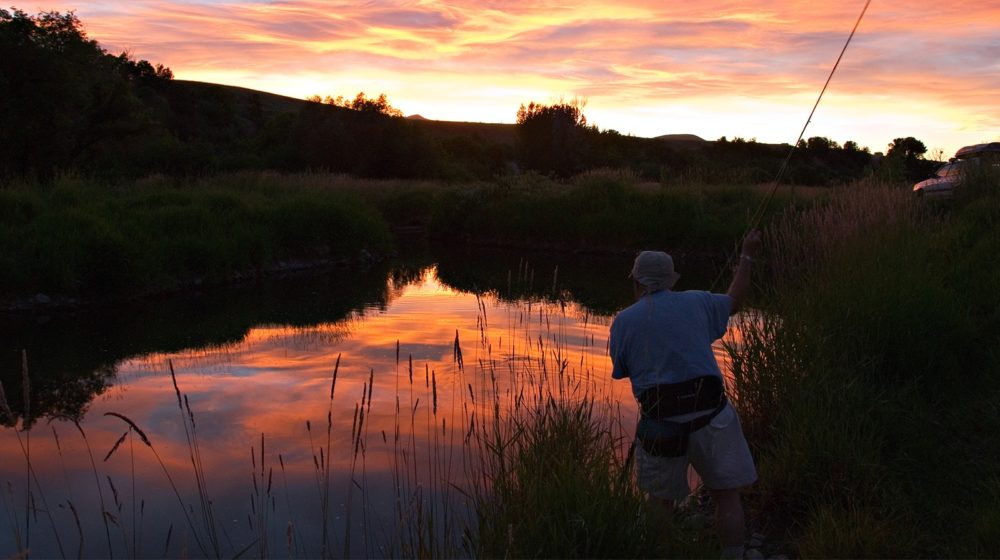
(666, 337)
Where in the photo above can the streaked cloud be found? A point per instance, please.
(711, 68)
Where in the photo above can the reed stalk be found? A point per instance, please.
(26, 423)
(194, 453)
(30, 508)
(133, 427)
(97, 479)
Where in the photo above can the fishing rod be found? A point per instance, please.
(759, 214)
(761, 210)
(762, 207)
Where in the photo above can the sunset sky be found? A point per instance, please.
(712, 68)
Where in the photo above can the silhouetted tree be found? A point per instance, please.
(371, 140)
(851, 146)
(142, 71)
(361, 103)
(910, 152)
(553, 138)
(65, 102)
(908, 148)
(68, 105)
(821, 143)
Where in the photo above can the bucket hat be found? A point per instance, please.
(654, 270)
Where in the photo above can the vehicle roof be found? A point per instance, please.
(978, 149)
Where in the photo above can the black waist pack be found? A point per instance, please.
(663, 438)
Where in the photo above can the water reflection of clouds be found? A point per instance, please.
(278, 378)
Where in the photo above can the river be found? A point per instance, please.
(316, 414)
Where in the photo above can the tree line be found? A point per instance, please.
(68, 105)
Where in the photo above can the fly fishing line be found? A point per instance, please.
(759, 213)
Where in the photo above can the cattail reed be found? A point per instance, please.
(336, 368)
(325, 495)
(173, 486)
(132, 425)
(434, 392)
(79, 528)
(26, 389)
(173, 379)
(5, 407)
(26, 426)
(457, 352)
(115, 446)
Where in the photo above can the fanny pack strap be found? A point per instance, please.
(674, 399)
(700, 422)
(665, 438)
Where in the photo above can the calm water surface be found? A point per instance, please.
(427, 352)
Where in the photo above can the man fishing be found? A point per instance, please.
(663, 344)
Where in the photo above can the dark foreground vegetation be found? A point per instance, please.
(869, 379)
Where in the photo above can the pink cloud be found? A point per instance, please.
(649, 53)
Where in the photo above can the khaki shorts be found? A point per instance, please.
(718, 452)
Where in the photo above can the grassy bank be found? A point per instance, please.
(869, 385)
(78, 238)
(595, 211)
(558, 486)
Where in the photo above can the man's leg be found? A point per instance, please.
(663, 479)
(729, 522)
(720, 454)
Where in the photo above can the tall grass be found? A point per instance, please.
(598, 210)
(867, 374)
(78, 238)
(558, 487)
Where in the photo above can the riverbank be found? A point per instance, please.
(76, 242)
(868, 383)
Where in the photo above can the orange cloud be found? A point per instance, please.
(713, 68)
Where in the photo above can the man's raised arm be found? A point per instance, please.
(740, 286)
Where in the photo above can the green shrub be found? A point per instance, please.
(81, 238)
(598, 211)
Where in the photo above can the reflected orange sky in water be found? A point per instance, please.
(278, 378)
